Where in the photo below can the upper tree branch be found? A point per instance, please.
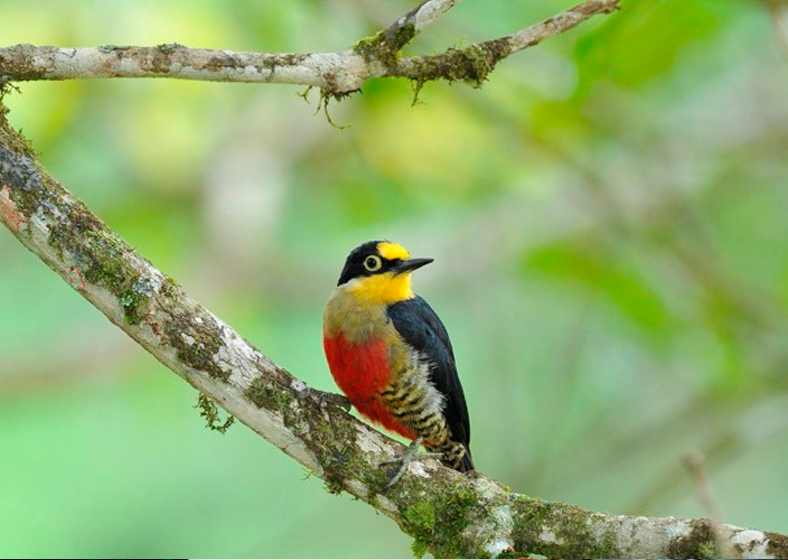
(336, 73)
(447, 513)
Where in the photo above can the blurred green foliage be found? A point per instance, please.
(608, 218)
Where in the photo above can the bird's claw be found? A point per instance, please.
(404, 460)
(334, 398)
(323, 397)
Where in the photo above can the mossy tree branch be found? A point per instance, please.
(335, 73)
(448, 514)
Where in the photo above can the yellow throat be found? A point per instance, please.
(383, 289)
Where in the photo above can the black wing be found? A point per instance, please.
(420, 327)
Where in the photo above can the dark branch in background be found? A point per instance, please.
(335, 73)
(695, 463)
(448, 514)
(778, 10)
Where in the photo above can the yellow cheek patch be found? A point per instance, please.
(383, 288)
(392, 251)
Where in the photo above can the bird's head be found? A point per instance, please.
(378, 272)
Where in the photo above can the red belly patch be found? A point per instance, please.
(361, 370)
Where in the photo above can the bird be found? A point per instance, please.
(390, 354)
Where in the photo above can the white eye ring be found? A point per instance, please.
(373, 263)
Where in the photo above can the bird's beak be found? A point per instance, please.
(409, 265)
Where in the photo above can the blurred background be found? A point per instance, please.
(608, 217)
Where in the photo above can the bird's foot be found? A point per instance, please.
(404, 460)
(334, 398)
(323, 397)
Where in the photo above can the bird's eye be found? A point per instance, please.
(373, 263)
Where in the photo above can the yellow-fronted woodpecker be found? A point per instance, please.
(390, 353)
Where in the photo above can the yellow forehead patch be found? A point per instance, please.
(392, 251)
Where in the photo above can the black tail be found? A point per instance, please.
(467, 461)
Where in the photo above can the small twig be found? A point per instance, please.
(384, 46)
(402, 31)
(560, 23)
(696, 464)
